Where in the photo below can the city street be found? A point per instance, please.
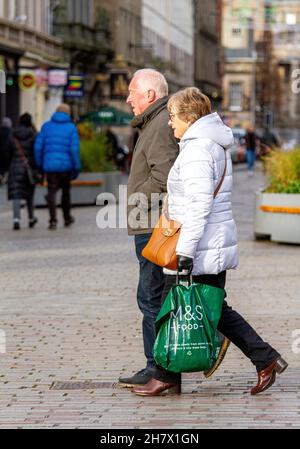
(70, 326)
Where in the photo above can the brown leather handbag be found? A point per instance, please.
(161, 248)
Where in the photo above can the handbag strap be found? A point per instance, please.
(223, 177)
(21, 151)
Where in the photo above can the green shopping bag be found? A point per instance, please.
(186, 328)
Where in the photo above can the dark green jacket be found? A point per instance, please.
(154, 155)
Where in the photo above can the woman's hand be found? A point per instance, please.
(185, 265)
(165, 208)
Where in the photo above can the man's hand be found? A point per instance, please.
(39, 176)
(74, 175)
(185, 265)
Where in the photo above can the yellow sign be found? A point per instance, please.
(27, 81)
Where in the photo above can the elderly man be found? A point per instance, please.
(57, 153)
(153, 157)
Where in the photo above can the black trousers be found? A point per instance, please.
(57, 181)
(231, 325)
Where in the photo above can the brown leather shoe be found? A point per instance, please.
(223, 349)
(156, 388)
(267, 377)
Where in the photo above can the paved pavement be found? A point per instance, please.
(68, 312)
(4, 204)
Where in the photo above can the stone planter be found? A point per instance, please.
(277, 216)
(86, 188)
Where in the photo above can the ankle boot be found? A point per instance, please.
(267, 377)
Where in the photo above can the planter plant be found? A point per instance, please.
(277, 209)
(96, 167)
(95, 151)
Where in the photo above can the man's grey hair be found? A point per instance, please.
(150, 79)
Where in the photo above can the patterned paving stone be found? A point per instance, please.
(69, 314)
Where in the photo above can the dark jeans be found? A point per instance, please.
(232, 325)
(17, 208)
(57, 181)
(251, 158)
(149, 293)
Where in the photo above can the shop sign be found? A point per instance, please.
(57, 78)
(27, 81)
(75, 86)
(2, 76)
(119, 85)
(41, 77)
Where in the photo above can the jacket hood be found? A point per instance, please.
(152, 111)
(23, 133)
(209, 127)
(61, 117)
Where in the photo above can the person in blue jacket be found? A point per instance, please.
(57, 154)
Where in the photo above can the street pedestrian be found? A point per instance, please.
(250, 141)
(117, 156)
(5, 133)
(153, 157)
(268, 142)
(57, 154)
(21, 164)
(207, 246)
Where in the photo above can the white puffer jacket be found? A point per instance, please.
(208, 233)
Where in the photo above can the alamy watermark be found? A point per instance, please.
(296, 341)
(136, 210)
(2, 82)
(296, 83)
(2, 342)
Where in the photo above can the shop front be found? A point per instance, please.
(40, 93)
(10, 100)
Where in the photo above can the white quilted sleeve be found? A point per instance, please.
(197, 175)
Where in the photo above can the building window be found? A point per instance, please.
(291, 19)
(235, 97)
(10, 11)
(236, 32)
(80, 11)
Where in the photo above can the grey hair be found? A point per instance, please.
(150, 79)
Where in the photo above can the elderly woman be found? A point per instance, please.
(207, 245)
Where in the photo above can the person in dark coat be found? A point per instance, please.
(5, 132)
(250, 140)
(57, 154)
(20, 153)
(118, 155)
(268, 142)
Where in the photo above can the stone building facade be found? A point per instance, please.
(208, 51)
(27, 52)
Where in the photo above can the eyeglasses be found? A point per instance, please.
(172, 116)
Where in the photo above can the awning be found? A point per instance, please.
(109, 116)
(5, 50)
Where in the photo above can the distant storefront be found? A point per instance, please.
(41, 89)
(30, 87)
(10, 101)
